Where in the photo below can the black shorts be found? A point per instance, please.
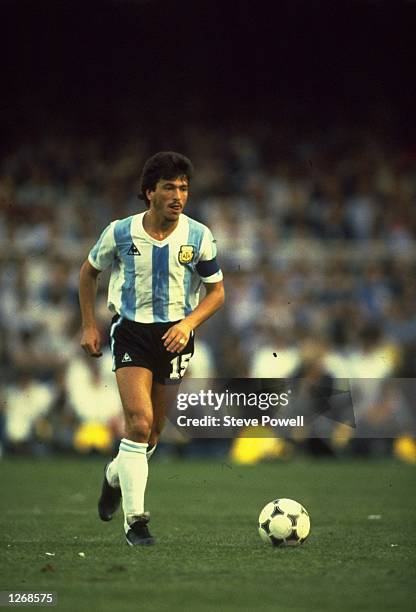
(140, 344)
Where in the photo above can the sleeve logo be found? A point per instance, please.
(186, 253)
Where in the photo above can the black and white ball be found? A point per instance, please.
(284, 522)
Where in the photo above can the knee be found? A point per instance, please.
(138, 426)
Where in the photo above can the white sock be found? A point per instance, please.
(132, 472)
(150, 452)
(112, 473)
(112, 469)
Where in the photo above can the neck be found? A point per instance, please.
(158, 226)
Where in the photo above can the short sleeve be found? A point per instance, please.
(101, 255)
(207, 266)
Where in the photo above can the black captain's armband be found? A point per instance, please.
(207, 268)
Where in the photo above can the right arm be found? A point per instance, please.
(101, 256)
(88, 282)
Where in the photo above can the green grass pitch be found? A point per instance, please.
(209, 555)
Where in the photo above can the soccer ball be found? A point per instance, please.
(284, 522)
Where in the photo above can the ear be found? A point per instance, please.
(149, 193)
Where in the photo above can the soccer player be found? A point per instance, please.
(159, 260)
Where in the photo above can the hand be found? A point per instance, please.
(177, 337)
(91, 342)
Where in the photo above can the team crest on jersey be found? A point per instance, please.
(186, 253)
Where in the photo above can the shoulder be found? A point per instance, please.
(126, 220)
(195, 226)
(122, 227)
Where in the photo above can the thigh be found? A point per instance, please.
(135, 388)
(162, 397)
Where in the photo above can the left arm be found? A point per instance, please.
(177, 336)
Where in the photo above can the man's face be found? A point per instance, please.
(169, 197)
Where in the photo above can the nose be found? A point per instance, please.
(177, 195)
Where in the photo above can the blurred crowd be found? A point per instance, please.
(316, 236)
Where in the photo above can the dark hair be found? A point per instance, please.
(164, 165)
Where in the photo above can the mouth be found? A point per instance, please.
(175, 207)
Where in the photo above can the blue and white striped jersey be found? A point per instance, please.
(155, 281)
